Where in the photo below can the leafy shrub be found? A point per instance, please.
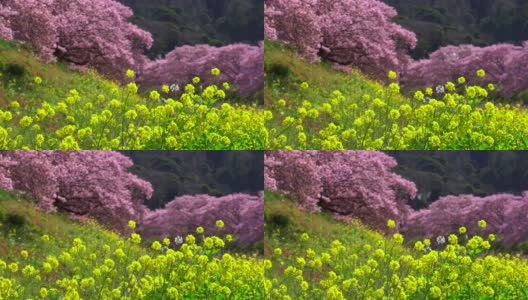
(14, 71)
(278, 70)
(14, 220)
(276, 221)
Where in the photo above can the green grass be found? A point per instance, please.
(323, 78)
(57, 77)
(321, 227)
(58, 226)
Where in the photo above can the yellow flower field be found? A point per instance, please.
(319, 108)
(99, 264)
(46, 106)
(347, 261)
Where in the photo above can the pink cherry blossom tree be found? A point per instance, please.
(85, 33)
(270, 12)
(353, 33)
(515, 79)
(361, 34)
(34, 24)
(295, 22)
(294, 172)
(85, 184)
(5, 27)
(96, 33)
(242, 215)
(5, 177)
(241, 64)
(349, 184)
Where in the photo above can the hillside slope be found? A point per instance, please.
(50, 256)
(314, 106)
(312, 256)
(18, 68)
(50, 106)
(285, 71)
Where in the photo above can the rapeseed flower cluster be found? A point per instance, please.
(200, 268)
(455, 115)
(119, 118)
(463, 267)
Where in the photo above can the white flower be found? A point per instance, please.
(178, 240)
(440, 89)
(175, 87)
(440, 240)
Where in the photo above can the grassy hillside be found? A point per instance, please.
(285, 71)
(49, 256)
(19, 68)
(313, 256)
(49, 106)
(313, 106)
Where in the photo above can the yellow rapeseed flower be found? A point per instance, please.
(482, 223)
(220, 224)
(215, 72)
(131, 224)
(391, 223)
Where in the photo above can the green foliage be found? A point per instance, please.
(14, 220)
(276, 222)
(480, 173)
(276, 70)
(218, 173)
(480, 22)
(14, 71)
(213, 22)
(5, 45)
